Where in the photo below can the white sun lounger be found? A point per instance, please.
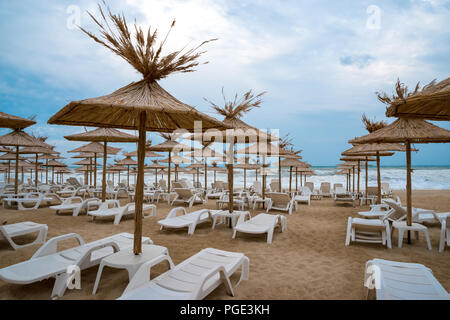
(261, 223)
(193, 279)
(69, 204)
(10, 231)
(117, 212)
(189, 220)
(402, 281)
(187, 196)
(48, 263)
(33, 198)
(368, 231)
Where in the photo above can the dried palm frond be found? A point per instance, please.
(372, 125)
(236, 108)
(286, 142)
(401, 92)
(140, 49)
(170, 136)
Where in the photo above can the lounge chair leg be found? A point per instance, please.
(400, 237)
(428, 239)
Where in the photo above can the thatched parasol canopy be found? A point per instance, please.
(83, 162)
(148, 154)
(431, 103)
(95, 148)
(127, 162)
(14, 122)
(407, 131)
(18, 138)
(102, 135)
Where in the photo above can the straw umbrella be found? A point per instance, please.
(8, 157)
(37, 151)
(291, 163)
(14, 122)
(155, 165)
(18, 138)
(95, 148)
(143, 105)
(205, 153)
(170, 146)
(358, 158)
(431, 103)
(127, 161)
(379, 150)
(53, 164)
(103, 135)
(407, 131)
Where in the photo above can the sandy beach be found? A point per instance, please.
(308, 261)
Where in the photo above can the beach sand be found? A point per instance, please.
(308, 261)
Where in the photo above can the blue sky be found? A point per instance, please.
(320, 62)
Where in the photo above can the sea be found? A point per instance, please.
(423, 177)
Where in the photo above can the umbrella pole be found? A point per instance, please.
(36, 173)
(139, 198)
(198, 176)
(16, 174)
(168, 174)
(90, 171)
(279, 174)
(245, 179)
(156, 177)
(46, 171)
(408, 188)
(9, 171)
(104, 172)
(353, 179)
(95, 170)
(378, 178)
(214, 177)
(53, 175)
(128, 176)
(230, 176)
(206, 174)
(296, 179)
(359, 173)
(301, 179)
(367, 176)
(290, 180)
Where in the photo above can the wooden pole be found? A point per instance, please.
(168, 174)
(408, 188)
(359, 174)
(230, 176)
(46, 171)
(353, 168)
(156, 177)
(139, 198)
(367, 176)
(279, 174)
(90, 171)
(296, 179)
(245, 179)
(290, 180)
(128, 176)
(36, 173)
(16, 174)
(95, 170)
(378, 178)
(206, 173)
(9, 171)
(105, 155)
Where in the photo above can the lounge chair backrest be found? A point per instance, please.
(340, 190)
(279, 198)
(274, 186)
(385, 186)
(183, 193)
(178, 185)
(398, 213)
(162, 184)
(257, 186)
(305, 191)
(337, 185)
(310, 185)
(325, 187)
(372, 191)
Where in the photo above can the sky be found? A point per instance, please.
(320, 62)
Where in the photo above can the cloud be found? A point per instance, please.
(360, 61)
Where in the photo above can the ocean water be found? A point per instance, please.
(430, 177)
